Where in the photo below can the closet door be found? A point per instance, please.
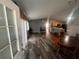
(4, 40)
(12, 32)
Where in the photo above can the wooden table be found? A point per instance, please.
(70, 48)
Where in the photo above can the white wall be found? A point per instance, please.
(25, 28)
(73, 26)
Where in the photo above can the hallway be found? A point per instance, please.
(39, 29)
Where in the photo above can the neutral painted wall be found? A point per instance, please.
(35, 25)
(73, 26)
(25, 28)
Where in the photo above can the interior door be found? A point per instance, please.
(8, 37)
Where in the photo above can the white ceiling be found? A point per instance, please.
(44, 8)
